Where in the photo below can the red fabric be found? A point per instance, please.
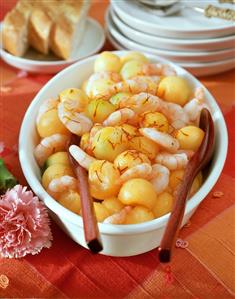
(68, 270)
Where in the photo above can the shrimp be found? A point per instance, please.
(172, 161)
(159, 177)
(119, 217)
(74, 99)
(81, 157)
(142, 170)
(200, 94)
(188, 153)
(48, 105)
(142, 102)
(63, 183)
(50, 145)
(119, 117)
(75, 122)
(134, 86)
(158, 69)
(175, 113)
(105, 75)
(193, 108)
(163, 139)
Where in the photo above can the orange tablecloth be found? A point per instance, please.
(205, 269)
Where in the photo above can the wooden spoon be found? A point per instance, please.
(199, 160)
(90, 226)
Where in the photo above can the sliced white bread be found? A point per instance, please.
(15, 28)
(61, 35)
(15, 32)
(39, 29)
(68, 30)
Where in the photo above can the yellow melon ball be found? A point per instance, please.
(101, 211)
(55, 195)
(190, 137)
(196, 184)
(70, 199)
(103, 179)
(139, 214)
(129, 130)
(168, 189)
(176, 178)
(49, 124)
(138, 192)
(84, 141)
(58, 158)
(113, 205)
(130, 158)
(107, 61)
(98, 110)
(174, 89)
(156, 120)
(134, 56)
(145, 146)
(163, 205)
(108, 143)
(131, 69)
(99, 87)
(75, 99)
(55, 171)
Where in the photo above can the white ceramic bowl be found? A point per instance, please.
(118, 240)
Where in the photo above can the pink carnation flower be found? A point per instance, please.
(24, 224)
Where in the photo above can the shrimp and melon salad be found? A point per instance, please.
(138, 128)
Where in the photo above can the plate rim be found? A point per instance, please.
(169, 29)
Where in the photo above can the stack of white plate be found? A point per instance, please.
(202, 45)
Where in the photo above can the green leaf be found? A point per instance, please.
(7, 180)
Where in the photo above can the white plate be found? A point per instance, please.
(175, 56)
(197, 69)
(210, 68)
(114, 42)
(171, 43)
(92, 41)
(185, 24)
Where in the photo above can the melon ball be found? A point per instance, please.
(175, 89)
(138, 192)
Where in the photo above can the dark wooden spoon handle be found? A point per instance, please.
(89, 220)
(197, 163)
(91, 231)
(176, 216)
